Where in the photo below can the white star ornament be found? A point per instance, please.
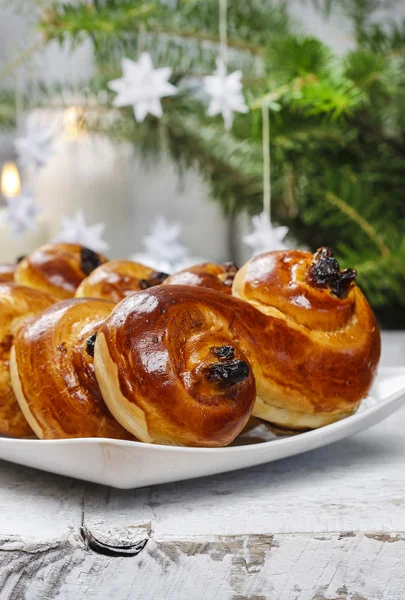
(35, 147)
(265, 237)
(75, 230)
(142, 87)
(20, 214)
(225, 92)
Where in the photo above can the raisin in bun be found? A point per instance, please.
(116, 279)
(171, 369)
(317, 342)
(53, 373)
(58, 268)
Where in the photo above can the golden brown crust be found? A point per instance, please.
(115, 280)
(7, 272)
(171, 370)
(17, 304)
(318, 352)
(210, 275)
(57, 268)
(53, 373)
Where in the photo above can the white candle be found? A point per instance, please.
(11, 246)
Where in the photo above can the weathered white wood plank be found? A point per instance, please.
(37, 506)
(281, 567)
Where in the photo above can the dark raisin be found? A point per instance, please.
(155, 278)
(228, 374)
(324, 267)
(325, 272)
(90, 260)
(224, 352)
(90, 344)
(341, 285)
(20, 258)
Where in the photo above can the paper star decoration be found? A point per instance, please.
(20, 214)
(225, 92)
(35, 147)
(75, 230)
(142, 87)
(265, 237)
(163, 249)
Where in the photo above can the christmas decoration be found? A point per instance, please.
(142, 87)
(35, 147)
(225, 92)
(20, 214)
(265, 237)
(164, 250)
(74, 230)
(10, 185)
(337, 142)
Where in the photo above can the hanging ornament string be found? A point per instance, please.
(223, 90)
(264, 237)
(141, 39)
(19, 100)
(266, 159)
(223, 31)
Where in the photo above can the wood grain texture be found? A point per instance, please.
(281, 567)
(326, 525)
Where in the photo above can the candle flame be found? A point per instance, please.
(73, 122)
(10, 180)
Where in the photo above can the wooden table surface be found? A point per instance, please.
(325, 525)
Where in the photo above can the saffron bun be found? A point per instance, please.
(171, 370)
(57, 268)
(210, 275)
(53, 376)
(116, 279)
(316, 341)
(17, 305)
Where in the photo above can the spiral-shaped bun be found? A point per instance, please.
(58, 268)
(170, 368)
(116, 279)
(17, 304)
(210, 275)
(53, 373)
(7, 272)
(317, 352)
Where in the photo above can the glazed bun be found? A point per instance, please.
(57, 268)
(116, 279)
(53, 373)
(316, 341)
(170, 368)
(216, 277)
(17, 305)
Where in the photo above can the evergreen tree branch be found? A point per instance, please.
(361, 221)
(235, 43)
(21, 59)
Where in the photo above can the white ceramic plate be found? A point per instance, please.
(128, 465)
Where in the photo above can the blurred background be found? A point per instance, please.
(317, 139)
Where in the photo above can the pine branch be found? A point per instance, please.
(192, 34)
(21, 59)
(361, 221)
